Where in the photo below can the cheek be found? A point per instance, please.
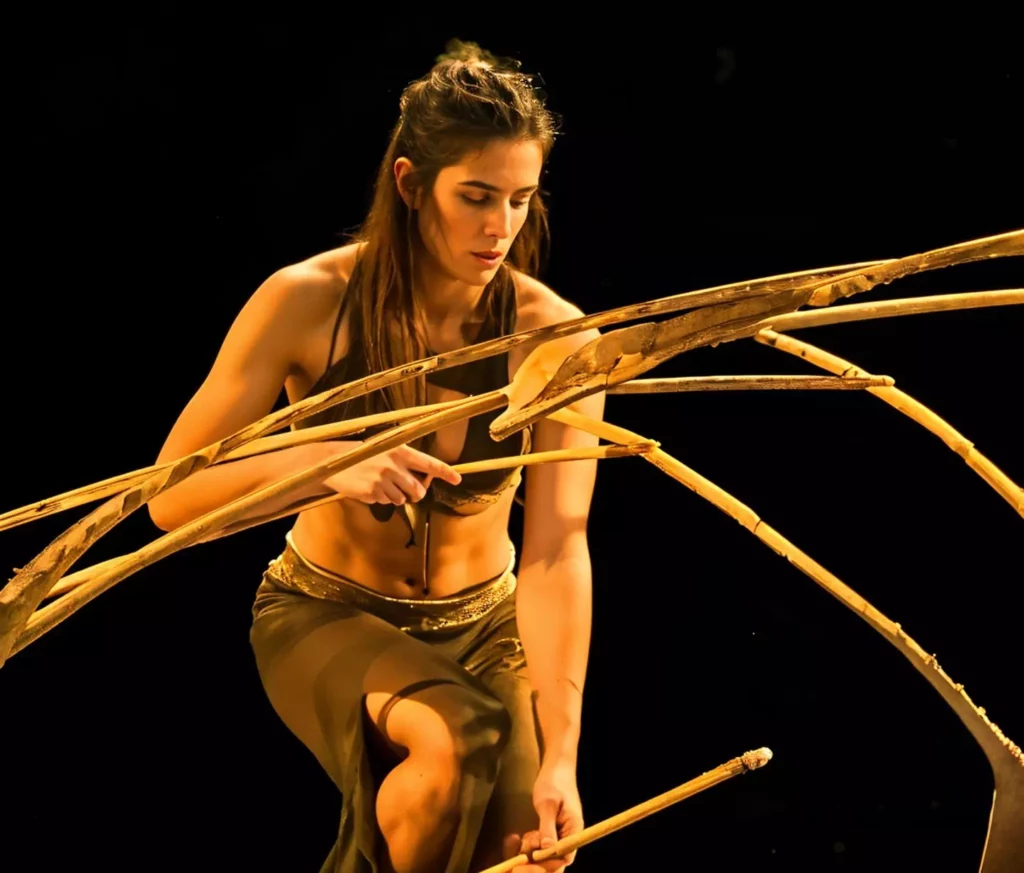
(519, 220)
(449, 223)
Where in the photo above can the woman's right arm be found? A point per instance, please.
(242, 386)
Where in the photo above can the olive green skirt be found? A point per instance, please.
(323, 643)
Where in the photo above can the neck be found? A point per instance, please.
(447, 300)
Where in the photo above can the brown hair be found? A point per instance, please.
(470, 97)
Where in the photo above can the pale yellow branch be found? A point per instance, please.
(233, 444)
(682, 384)
(1002, 851)
(274, 443)
(726, 320)
(74, 580)
(891, 308)
(999, 749)
(42, 620)
(996, 478)
(567, 845)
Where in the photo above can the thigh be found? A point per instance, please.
(330, 669)
(322, 663)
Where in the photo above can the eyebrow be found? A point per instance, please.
(475, 184)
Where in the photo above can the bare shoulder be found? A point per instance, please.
(538, 306)
(303, 300)
(312, 289)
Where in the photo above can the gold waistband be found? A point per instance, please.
(292, 570)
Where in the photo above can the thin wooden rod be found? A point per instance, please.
(1002, 484)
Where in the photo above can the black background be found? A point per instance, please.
(169, 159)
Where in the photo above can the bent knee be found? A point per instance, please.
(461, 730)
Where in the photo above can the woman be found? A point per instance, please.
(391, 635)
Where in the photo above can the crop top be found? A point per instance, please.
(476, 491)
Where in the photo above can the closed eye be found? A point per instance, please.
(481, 201)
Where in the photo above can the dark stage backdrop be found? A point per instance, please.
(169, 159)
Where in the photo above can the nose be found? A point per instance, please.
(499, 221)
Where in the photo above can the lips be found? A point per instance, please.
(488, 254)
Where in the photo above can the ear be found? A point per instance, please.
(405, 178)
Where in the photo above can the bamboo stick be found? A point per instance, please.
(681, 384)
(1006, 244)
(1004, 849)
(567, 845)
(792, 320)
(39, 622)
(325, 400)
(620, 356)
(913, 409)
(21, 595)
(891, 308)
(276, 442)
(73, 580)
(857, 281)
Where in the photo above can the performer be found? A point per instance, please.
(393, 632)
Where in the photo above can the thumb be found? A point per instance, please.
(547, 809)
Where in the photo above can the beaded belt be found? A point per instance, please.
(292, 570)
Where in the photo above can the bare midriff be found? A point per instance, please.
(344, 538)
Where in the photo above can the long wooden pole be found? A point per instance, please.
(686, 384)
(23, 593)
(556, 456)
(39, 622)
(274, 443)
(866, 272)
(891, 308)
(737, 766)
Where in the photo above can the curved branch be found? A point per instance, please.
(913, 409)
(117, 484)
(622, 355)
(1004, 849)
(21, 595)
(686, 384)
(556, 456)
(13, 639)
(890, 308)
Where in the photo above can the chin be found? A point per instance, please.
(480, 272)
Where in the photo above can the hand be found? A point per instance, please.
(557, 801)
(391, 476)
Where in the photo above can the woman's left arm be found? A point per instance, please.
(553, 604)
(553, 601)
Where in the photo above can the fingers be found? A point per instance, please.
(532, 841)
(410, 487)
(424, 463)
(547, 809)
(388, 492)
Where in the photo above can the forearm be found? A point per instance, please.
(223, 483)
(554, 605)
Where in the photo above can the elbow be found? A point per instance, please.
(161, 515)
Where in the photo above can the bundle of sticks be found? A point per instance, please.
(547, 385)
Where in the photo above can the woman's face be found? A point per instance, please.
(477, 208)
